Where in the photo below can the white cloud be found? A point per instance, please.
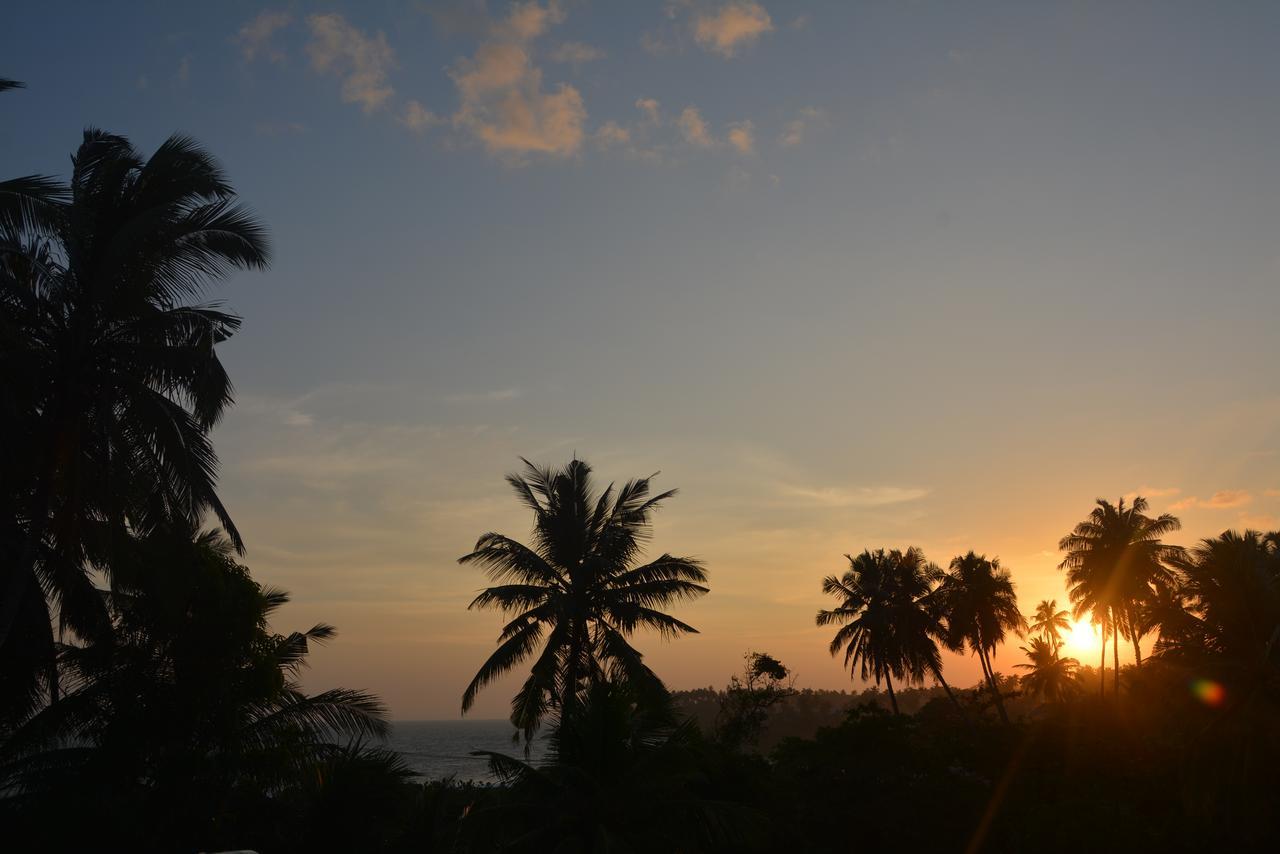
(255, 37)
(742, 137)
(576, 53)
(694, 128)
(502, 100)
(734, 25)
(797, 130)
(362, 61)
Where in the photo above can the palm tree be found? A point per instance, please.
(1049, 622)
(189, 699)
(117, 380)
(1227, 604)
(6, 84)
(980, 605)
(1115, 561)
(1049, 676)
(887, 617)
(622, 773)
(579, 586)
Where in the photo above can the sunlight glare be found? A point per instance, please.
(1082, 639)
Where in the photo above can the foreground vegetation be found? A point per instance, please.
(146, 703)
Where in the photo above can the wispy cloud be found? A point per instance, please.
(576, 53)
(862, 496)
(417, 117)
(1220, 500)
(362, 61)
(255, 37)
(502, 100)
(485, 396)
(798, 129)
(742, 137)
(694, 128)
(733, 26)
(1151, 492)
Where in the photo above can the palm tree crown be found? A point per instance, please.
(578, 586)
(1049, 622)
(888, 623)
(980, 605)
(1115, 564)
(1049, 676)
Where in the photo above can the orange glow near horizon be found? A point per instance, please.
(1082, 641)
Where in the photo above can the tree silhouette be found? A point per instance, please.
(621, 774)
(888, 617)
(189, 699)
(1115, 563)
(980, 606)
(1049, 676)
(117, 381)
(1049, 622)
(579, 586)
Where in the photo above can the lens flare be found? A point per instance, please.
(1207, 691)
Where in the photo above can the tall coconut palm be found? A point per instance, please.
(1049, 676)
(887, 618)
(1049, 623)
(1115, 560)
(578, 586)
(117, 382)
(980, 605)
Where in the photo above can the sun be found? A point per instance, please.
(1082, 639)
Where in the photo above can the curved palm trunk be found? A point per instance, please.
(945, 687)
(995, 689)
(893, 700)
(1137, 648)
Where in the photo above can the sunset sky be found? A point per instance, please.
(849, 274)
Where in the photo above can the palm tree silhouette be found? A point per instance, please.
(190, 696)
(888, 619)
(579, 586)
(980, 605)
(1226, 606)
(1115, 562)
(622, 773)
(1049, 676)
(6, 84)
(1049, 622)
(107, 428)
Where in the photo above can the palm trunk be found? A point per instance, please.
(893, 700)
(1102, 666)
(1115, 654)
(991, 683)
(945, 687)
(1137, 648)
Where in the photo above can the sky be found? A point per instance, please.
(848, 275)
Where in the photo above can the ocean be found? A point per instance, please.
(438, 749)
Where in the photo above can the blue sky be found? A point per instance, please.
(849, 275)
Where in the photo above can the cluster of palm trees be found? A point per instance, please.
(124, 631)
(897, 611)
